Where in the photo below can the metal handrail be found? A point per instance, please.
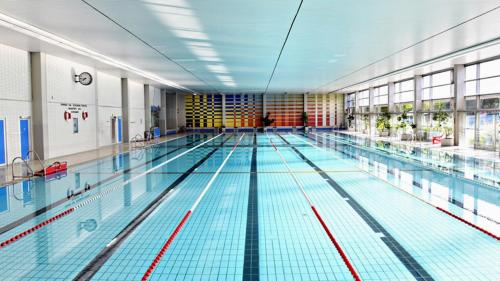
(27, 165)
(135, 139)
(42, 163)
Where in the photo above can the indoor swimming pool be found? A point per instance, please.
(265, 206)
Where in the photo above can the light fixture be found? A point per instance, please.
(51, 38)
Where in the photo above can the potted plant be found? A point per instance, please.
(448, 132)
(426, 132)
(350, 118)
(366, 122)
(305, 119)
(414, 127)
(383, 124)
(441, 118)
(267, 121)
(403, 120)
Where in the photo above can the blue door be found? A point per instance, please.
(27, 192)
(2, 142)
(25, 138)
(119, 129)
(4, 198)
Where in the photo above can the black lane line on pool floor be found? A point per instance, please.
(409, 262)
(51, 206)
(95, 264)
(391, 172)
(251, 261)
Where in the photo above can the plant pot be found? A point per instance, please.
(384, 134)
(306, 129)
(447, 142)
(405, 137)
(425, 136)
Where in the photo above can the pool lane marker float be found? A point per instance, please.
(95, 197)
(172, 236)
(496, 237)
(339, 249)
(55, 204)
(467, 222)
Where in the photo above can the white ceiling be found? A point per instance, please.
(233, 45)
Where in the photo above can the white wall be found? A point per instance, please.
(61, 89)
(181, 111)
(135, 108)
(15, 95)
(109, 105)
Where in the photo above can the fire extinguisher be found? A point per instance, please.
(85, 115)
(67, 115)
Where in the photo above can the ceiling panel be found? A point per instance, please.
(232, 45)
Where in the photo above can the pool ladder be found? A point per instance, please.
(30, 173)
(137, 142)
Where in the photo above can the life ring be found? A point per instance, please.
(67, 115)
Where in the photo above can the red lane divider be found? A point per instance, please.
(36, 227)
(185, 218)
(468, 223)
(165, 247)
(337, 246)
(439, 208)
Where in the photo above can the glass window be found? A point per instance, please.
(404, 91)
(442, 78)
(489, 68)
(470, 88)
(490, 102)
(438, 85)
(351, 100)
(483, 78)
(489, 85)
(470, 103)
(442, 92)
(471, 72)
(364, 98)
(381, 95)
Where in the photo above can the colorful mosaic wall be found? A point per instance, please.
(246, 110)
(243, 110)
(285, 109)
(328, 109)
(203, 111)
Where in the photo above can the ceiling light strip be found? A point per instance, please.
(438, 59)
(147, 44)
(53, 39)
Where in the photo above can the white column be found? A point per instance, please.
(39, 105)
(417, 101)
(125, 111)
(458, 111)
(163, 113)
(372, 116)
(148, 96)
(391, 92)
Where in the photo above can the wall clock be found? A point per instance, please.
(84, 78)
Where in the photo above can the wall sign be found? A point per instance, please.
(74, 109)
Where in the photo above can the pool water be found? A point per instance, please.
(254, 222)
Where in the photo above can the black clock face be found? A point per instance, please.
(85, 78)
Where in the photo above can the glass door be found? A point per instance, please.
(487, 131)
(470, 129)
(497, 131)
